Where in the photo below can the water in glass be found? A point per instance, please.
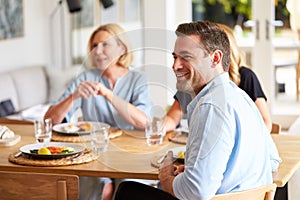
(155, 131)
(99, 137)
(43, 130)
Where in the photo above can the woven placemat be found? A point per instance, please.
(154, 162)
(178, 137)
(84, 157)
(57, 137)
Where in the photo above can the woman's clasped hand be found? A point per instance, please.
(86, 89)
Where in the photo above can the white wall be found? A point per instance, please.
(32, 48)
(44, 42)
(164, 17)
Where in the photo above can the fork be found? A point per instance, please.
(159, 161)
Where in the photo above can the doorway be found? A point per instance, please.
(264, 39)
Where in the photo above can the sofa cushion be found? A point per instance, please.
(8, 90)
(59, 79)
(31, 89)
(31, 86)
(7, 108)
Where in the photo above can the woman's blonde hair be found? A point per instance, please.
(237, 59)
(118, 32)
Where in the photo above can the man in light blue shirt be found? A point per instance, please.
(229, 148)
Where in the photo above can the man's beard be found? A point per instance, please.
(185, 86)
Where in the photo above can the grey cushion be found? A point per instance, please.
(31, 86)
(8, 90)
(25, 87)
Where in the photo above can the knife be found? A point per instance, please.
(18, 154)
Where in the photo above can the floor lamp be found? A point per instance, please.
(74, 6)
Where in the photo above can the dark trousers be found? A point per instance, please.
(137, 191)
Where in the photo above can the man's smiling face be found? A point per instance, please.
(192, 65)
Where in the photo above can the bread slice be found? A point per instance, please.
(113, 133)
(85, 126)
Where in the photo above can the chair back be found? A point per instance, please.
(13, 121)
(26, 185)
(276, 128)
(266, 192)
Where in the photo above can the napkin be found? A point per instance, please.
(35, 112)
(6, 133)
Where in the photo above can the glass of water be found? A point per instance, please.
(155, 131)
(43, 130)
(100, 137)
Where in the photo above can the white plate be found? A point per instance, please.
(176, 150)
(26, 149)
(60, 128)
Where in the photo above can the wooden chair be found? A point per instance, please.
(276, 128)
(4, 120)
(26, 185)
(266, 192)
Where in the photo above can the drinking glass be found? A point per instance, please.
(155, 132)
(43, 130)
(100, 137)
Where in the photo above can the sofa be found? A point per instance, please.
(32, 89)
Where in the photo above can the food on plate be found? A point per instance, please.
(180, 154)
(71, 128)
(6, 133)
(52, 150)
(87, 126)
(115, 133)
(44, 151)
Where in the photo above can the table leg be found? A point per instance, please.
(281, 193)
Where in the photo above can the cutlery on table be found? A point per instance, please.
(161, 159)
(18, 154)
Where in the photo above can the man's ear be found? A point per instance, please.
(216, 57)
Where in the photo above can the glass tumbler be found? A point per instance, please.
(43, 130)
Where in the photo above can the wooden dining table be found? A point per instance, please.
(289, 150)
(129, 156)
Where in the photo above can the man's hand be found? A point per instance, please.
(166, 173)
(179, 169)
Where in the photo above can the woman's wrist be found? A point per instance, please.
(74, 96)
(108, 95)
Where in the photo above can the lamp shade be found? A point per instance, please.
(74, 5)
(107, 3)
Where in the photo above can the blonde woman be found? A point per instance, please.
(109, 92)
(242, 76)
